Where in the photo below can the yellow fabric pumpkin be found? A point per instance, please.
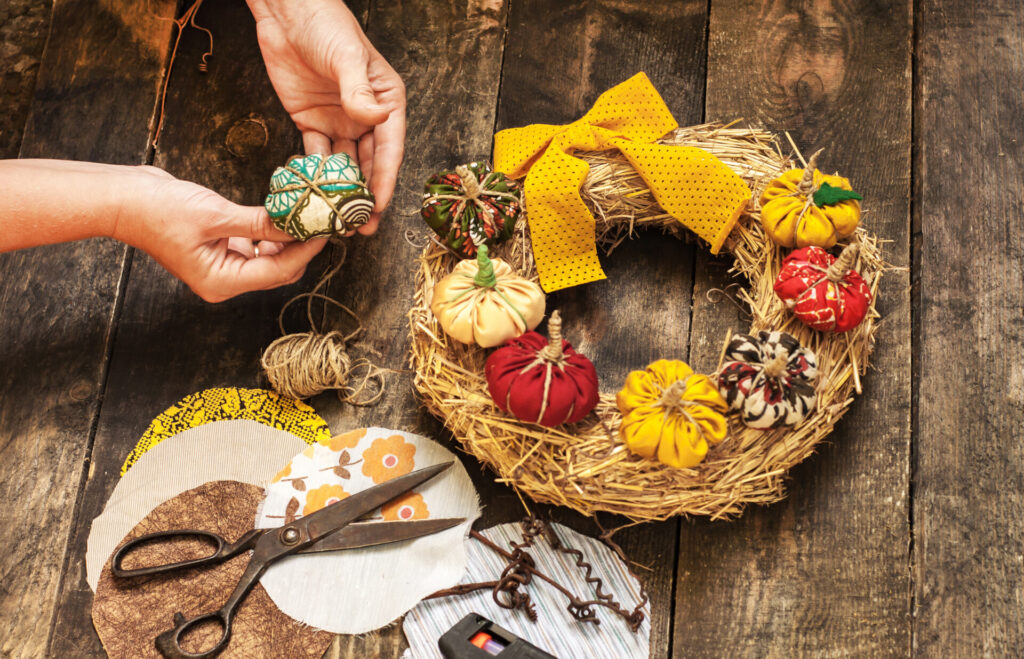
(484, 301)
(805, 207)
(671, 413)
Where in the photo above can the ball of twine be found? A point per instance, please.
(304, 364)
(586, 466)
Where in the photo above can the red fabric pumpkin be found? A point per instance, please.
(542, 380)
(823, 291)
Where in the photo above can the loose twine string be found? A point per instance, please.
(304, 364)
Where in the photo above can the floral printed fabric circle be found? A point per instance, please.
(317, 589)
(388, 457)
(228, 403)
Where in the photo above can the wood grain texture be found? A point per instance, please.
(969, 467)
(169, 343)
(57, 303)
(824, 572)
(23, 28)
(559, 59)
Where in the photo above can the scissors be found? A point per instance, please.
(328, 529)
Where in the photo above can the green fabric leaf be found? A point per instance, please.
(829, 195)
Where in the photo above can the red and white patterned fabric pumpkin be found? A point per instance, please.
(823, 291)
(769, 378)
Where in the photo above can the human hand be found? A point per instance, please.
(218, 248)
(340, 92)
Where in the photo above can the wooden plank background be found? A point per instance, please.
(58, 305)
(901, 537)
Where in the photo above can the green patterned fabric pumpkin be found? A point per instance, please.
(319, 195)
(471, 206)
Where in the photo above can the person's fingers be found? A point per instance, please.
(356, 95)
(313, 141)
(371, 225)
(269, 247)
(366, 155)
(243, 246)
(277, 269)
(296, 277)
(252, 222)
(346, 145)
(388, 150)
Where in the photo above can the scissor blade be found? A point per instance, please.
(333, 517)
(369, 534)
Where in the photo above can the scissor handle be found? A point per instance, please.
(222, 551)
(169, 642)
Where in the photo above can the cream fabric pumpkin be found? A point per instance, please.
(486, 302)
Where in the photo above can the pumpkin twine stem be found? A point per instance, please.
(672, 397)
(777, 366)
(552, 352)
(485, 269)
(806, 186)
(843, 263)
(469, 182)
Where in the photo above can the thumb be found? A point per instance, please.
(250, 222)
(357, 97)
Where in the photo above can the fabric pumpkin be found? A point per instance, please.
(471, 206)
(486, 302)
(823, 291)
(671, 413)
(769, 378)
(543, 381)
(805, 207)
(318, 195)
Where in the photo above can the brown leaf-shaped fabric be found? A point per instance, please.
(129, 614)
(289, 512)
(299, 484)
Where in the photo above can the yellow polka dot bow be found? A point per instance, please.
(691, 185)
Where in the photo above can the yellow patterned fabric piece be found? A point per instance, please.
(266, 407)
(692, 185)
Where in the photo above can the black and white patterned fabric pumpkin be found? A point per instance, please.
(769, 378)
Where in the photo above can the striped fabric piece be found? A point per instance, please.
(555, 630)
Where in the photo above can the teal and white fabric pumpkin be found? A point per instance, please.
(318, 195)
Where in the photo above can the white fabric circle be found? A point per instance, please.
(555, 630)
(358, 590)
(238, 450)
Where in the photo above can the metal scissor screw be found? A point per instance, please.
(290, 536)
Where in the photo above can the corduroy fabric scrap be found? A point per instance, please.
(226, 403)
(242, 450)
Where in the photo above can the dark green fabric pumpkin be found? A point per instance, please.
(471, 206)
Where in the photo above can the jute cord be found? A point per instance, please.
(305, 364)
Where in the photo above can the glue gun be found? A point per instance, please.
(476, 637)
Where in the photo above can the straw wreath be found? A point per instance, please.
(586, 466)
